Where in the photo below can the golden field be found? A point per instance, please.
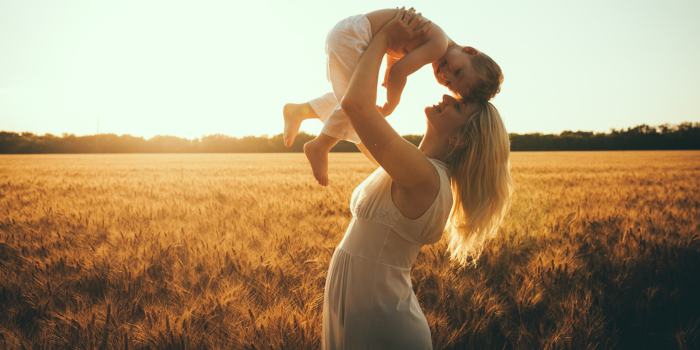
(601, 250)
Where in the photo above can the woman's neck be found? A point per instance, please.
(434, 147)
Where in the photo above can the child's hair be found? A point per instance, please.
(481, 184)
(489, 80)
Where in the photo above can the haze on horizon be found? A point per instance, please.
(188, 69)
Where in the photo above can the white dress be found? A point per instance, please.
(369, 301)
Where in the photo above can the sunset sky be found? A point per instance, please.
(193, 68)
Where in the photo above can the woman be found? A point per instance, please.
(369, 302)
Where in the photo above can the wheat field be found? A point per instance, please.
(601, 250)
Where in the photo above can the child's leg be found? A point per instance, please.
(345, 44)
(316, 152)
(334, 129)
(295, 113)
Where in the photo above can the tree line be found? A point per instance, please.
(684, 136)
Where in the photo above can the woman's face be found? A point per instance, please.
(448, 116)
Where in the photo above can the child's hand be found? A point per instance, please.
(387, 109)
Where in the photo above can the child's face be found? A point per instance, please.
(455, 71)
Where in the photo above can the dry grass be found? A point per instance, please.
(600, 251)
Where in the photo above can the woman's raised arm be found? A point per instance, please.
(406, 165)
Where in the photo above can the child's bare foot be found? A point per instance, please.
(318, 157)
(293, 116)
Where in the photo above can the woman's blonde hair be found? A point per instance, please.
(481, 184)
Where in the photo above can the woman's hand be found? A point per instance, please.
(406, 26)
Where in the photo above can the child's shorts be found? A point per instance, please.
(345, 44)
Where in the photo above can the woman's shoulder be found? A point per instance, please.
(443, 200)
(436, 194)
(445, 192)
(442, 168)
(428, 228)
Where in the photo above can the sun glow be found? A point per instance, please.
(190, 69)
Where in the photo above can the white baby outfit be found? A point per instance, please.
(369, 301)
(345, 44)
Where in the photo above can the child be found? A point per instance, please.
(465, 71)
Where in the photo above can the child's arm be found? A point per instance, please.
(390, 60)
(429, 52)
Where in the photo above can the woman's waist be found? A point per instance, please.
(374, 240)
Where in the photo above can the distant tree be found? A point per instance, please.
(414, 139)
(684, 136)
(642, 137)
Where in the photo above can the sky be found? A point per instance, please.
(195, 68)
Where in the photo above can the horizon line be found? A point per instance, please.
(268, 136)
